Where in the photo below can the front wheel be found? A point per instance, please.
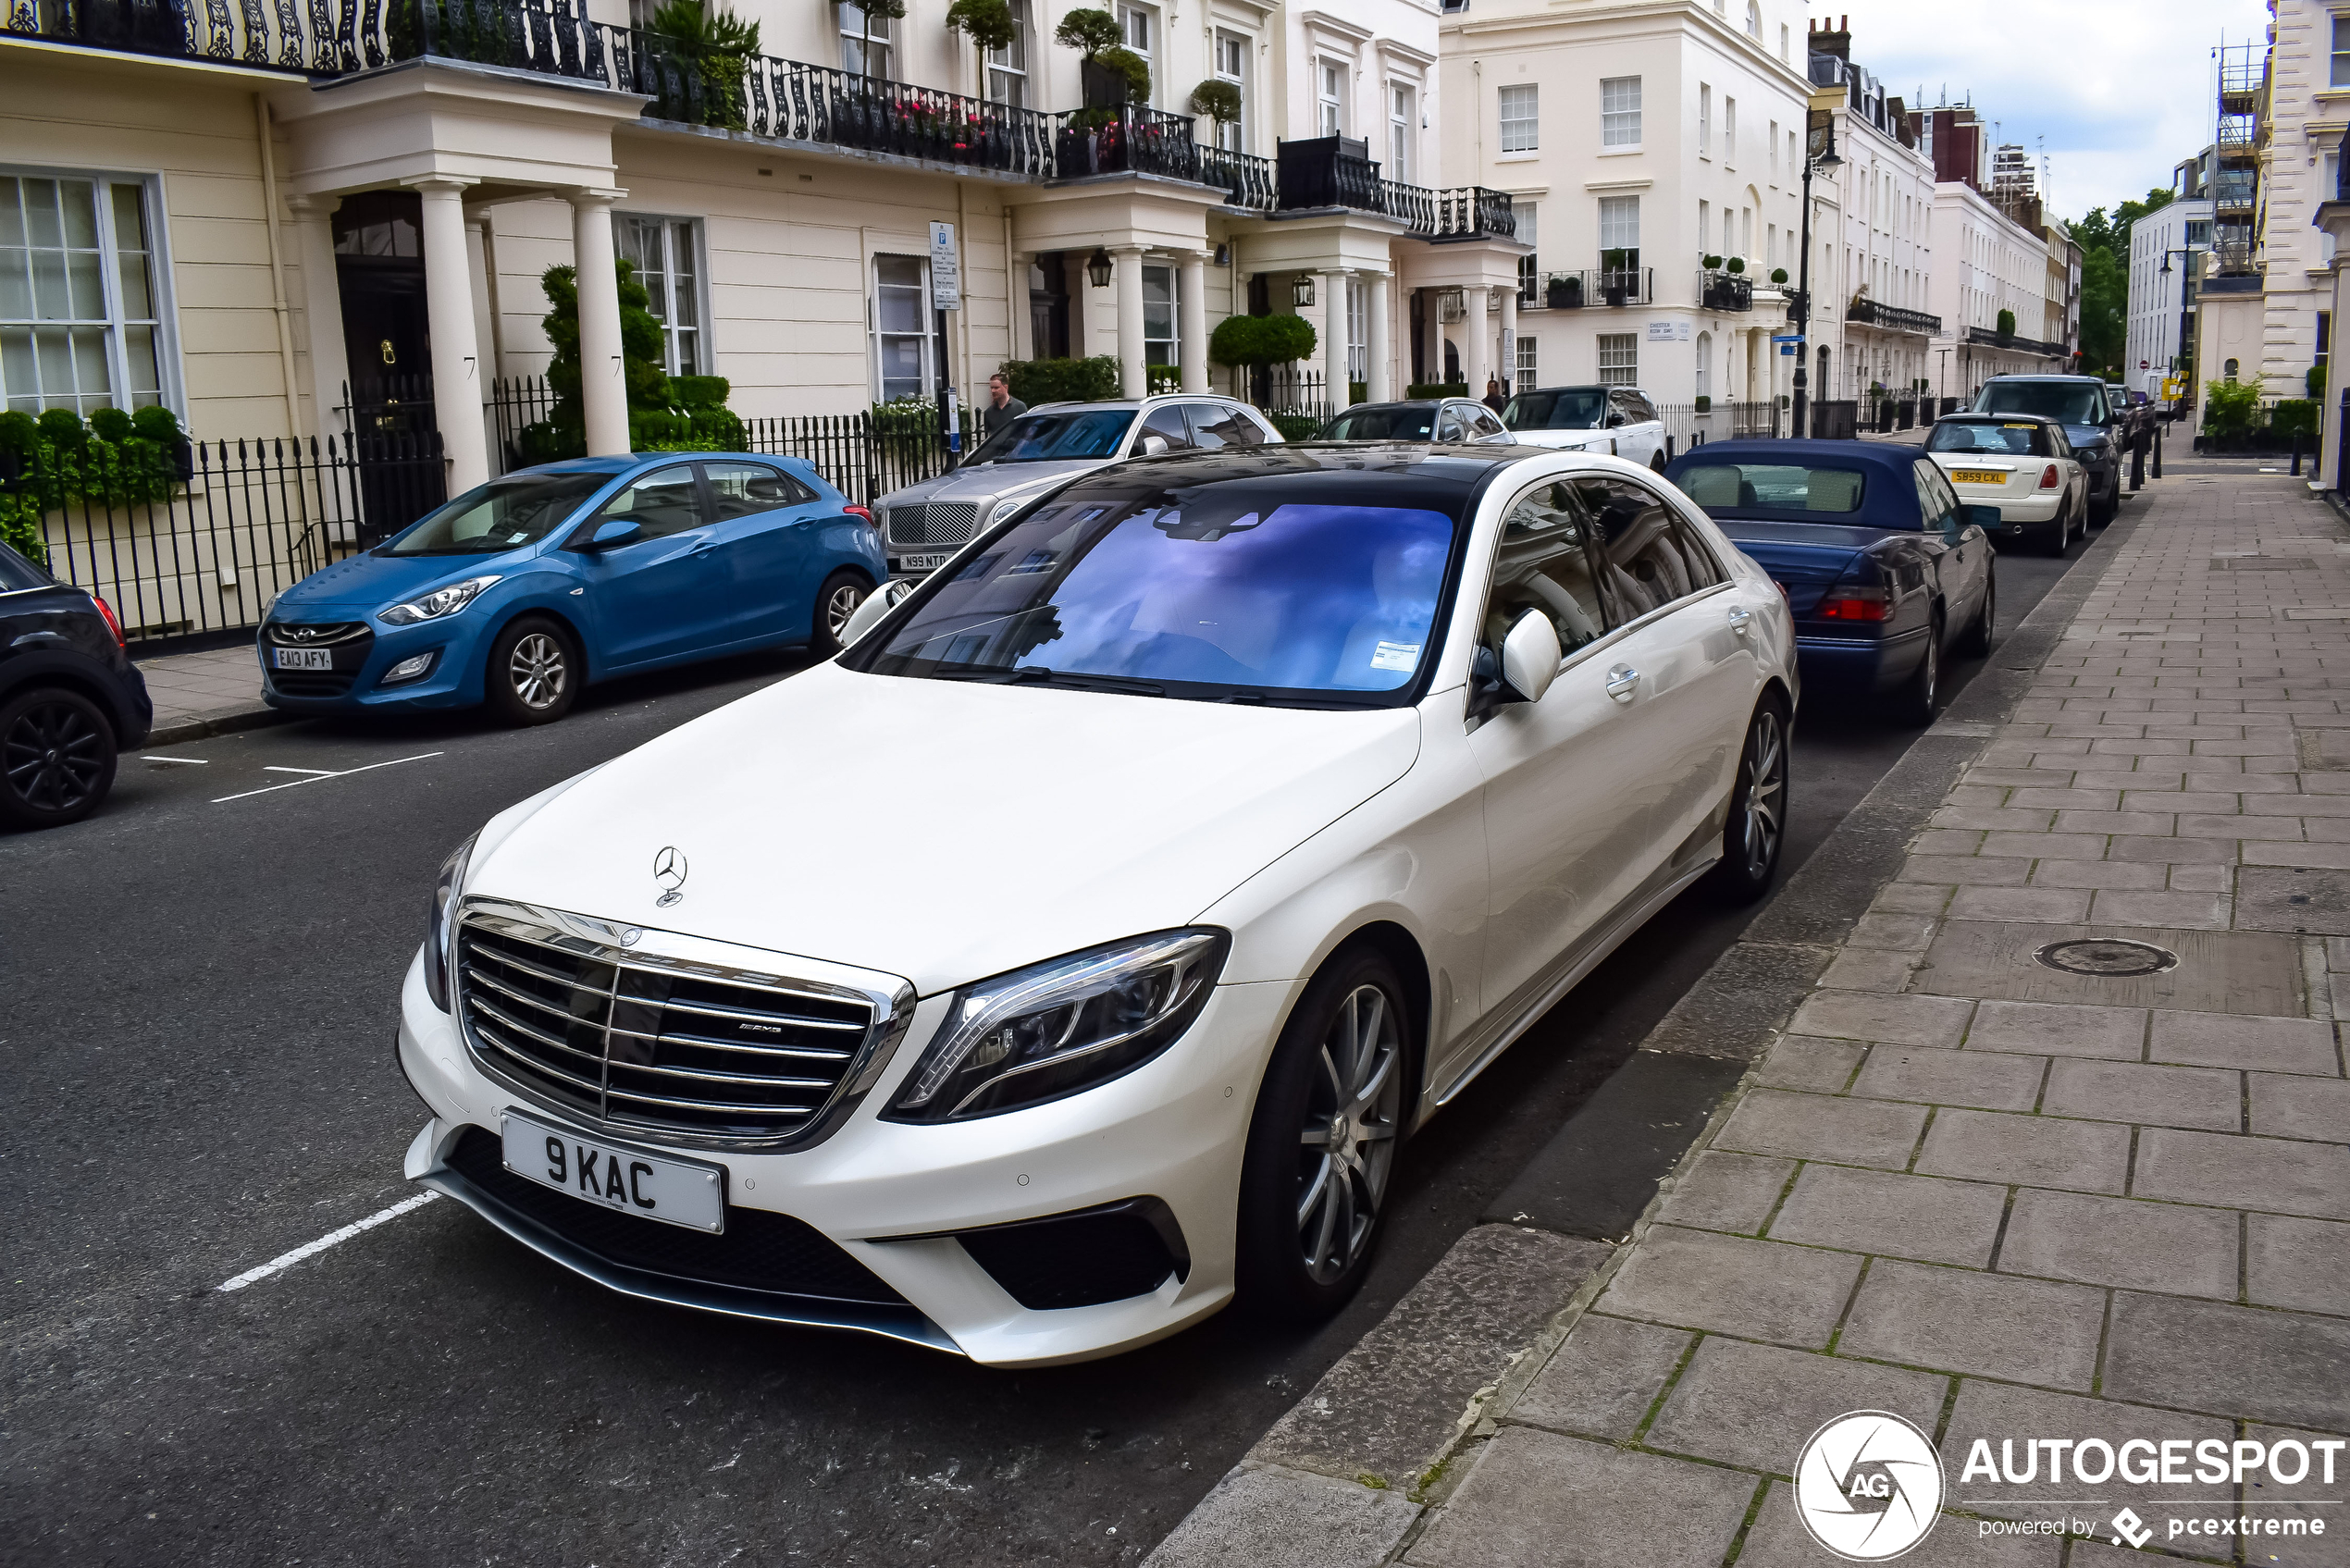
(57, 758)
(836, 603)
(533, 671)
(2102, 512)
(1321, 1145)
(1753, 836)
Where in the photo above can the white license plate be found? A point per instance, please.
(304, 658)
(685, 1192)
(920, 562)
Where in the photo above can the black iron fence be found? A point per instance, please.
(252, 519)
(862, 456)
(516, 402)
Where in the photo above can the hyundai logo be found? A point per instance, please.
(669, 870)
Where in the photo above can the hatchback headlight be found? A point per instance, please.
(440, 931)
(1055, 1028)
(437, 604)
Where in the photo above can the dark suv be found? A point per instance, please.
(2095, 426)
(69, 698)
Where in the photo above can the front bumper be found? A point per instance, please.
(355, 683)
(892, 1196)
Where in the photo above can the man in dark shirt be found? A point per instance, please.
(1002, 407)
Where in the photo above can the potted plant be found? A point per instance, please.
(1554, 292)
(1571, 287)
(1737, 264)
(2007, 324)
(1220, 102)
(988, 24)
(713, 49)
(1778, 275)
(1713, 264)
(1112, 75)
(1615, 284)
(1704, 403)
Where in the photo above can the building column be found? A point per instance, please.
(1379, 299)
(1127, 283)
(321, 309)
(1019, 326)
(1190, 319)
(1477, 342)
(1333, 285)
(2328, 471)
(1509, 337)
(1432, 325)
(457, 383)
(603, 384)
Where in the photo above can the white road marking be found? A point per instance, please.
(297, 784)
(332, 1238)
(192, 762)
(315, 772)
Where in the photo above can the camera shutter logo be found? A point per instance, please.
(1868, 1486)
(669, 870)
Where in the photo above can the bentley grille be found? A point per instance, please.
(934, 523)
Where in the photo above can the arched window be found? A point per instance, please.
(2230, 370)
(1754, 19)
(1705, 364)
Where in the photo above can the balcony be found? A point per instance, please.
(1337, 171)
(1865, 312)
(1986, 338)
(1724, 290)
(1601, 286)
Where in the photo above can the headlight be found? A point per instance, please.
(1004, 508)
(438, 603)
(1052, 1030)
(439, 933)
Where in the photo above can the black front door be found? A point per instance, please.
(380, 272)
(1048, 306)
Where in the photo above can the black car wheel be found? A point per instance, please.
(2060, 540)
(2101, 510)
(1757, 826)
(533, 671)
(57, 758)
(1321, 1145)
(1913, 703)
(1976, 642)
(836, 603)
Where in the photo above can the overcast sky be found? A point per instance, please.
(2115, 92)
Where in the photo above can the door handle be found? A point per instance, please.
(1739, 617)
(1620, 682)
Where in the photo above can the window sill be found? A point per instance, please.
(1526, 158)
(1632, 151)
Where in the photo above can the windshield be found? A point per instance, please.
(1772, 487)
(1397, 422)
(2069, 402)
(1059, 435)
(1574, 408)
(2020, 441)
(520, 509)
(1222, 590)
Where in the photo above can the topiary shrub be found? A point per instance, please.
(1218, 99)
(1035, 381)
(1259, 341)
(686, 414)
(118, 460)
(2007, 324)
(1779, 275)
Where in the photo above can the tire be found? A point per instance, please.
(1756, 831)
(836, 603)
(2102, 512)
(533, 671)
(1976, 642)
(1304, 1242)
(2062, 541)
(57, 758)
(1912, 706)
(1656, 463)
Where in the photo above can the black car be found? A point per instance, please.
(2097, 429)
(69, 698)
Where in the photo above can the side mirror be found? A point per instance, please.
(878, 603)
(613, 534)
(1530, 655)
(1615, 420)
(1154, 445)
(1983, 517)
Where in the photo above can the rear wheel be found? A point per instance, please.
(2061, 541)
(1914, 704)
(533, 671)
(57, 758)
(1757, 828)
(1976, 641)
(836, 603)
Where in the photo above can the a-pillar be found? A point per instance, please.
(1378, 290)
(1509, 340)
(322, 310)
(1128, 283)
(1477, 343)
(1333, 285)
(1190, 319)
(448, 316)
(603, 384)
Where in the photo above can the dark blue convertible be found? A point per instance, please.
(1883, 568)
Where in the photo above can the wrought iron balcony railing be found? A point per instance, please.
(1337, 171)
(1724, 290)
(1867, 312)
(1593, 286)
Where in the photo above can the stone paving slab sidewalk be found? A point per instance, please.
(204, 693)
(2006, 1202)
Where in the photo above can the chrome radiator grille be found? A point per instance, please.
(644, 1041)
(934, 523)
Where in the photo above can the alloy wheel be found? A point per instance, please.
(1765, 792)
(839, 606)
(538, 671)
(1347, 1145)
(55, 758)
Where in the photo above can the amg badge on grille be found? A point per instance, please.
(669, 870)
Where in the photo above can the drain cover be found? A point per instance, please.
(2109, 956)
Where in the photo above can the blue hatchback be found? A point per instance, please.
(523, 590)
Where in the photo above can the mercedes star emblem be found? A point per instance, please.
(669, 870)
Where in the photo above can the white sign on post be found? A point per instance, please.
(945, 268)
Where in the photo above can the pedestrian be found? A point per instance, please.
(1002, 407)
(1493, 398)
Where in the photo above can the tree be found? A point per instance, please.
(988, 24)
(1096, 35)
(2105, 285)
(1219, 101)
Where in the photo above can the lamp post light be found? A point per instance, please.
(1821, 120)
(2184, 361)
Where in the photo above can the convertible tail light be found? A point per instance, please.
(112, 625)
(2048, 480)
(1844, 603)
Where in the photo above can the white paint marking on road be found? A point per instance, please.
(297, 784)
(332, 1238)
(316, 772)
(191, 762)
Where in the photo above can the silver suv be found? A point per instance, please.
(925, 524)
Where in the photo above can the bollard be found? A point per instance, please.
(1669, 448)
(2297, 454)
(2342, 447)
(2137, 466)
(2157, 451)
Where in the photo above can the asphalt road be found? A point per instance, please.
(200, 986)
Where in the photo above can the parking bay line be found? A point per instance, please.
(296, 784)
(191, 762)
(332, 1238)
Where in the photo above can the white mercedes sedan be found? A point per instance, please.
(1072, 955)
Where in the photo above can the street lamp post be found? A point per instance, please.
(2185, 359)
(1817, 120)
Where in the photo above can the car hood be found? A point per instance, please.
(991, 480)
(368, 581)
(2087, 435)
(944, 832)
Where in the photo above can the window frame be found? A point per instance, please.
(1153, 28)
(1529, 361)
(1705, 120)
(876, 333)
(1614, 121)
(2339, 75)
(865, 39)
(1333, 80)
(1173, 338)
(1402, 129)
(1011, 63)
(1234, 137)
(170, 389)
(1628, 346)
(1526, 125)
(667, 226)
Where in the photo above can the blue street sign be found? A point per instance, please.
(1785, 338)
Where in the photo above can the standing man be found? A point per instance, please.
(1493, 398)
(1002, 407)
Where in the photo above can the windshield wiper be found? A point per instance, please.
(1254, 699)
(1037, 674)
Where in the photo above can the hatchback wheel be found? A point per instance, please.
(1322, 1147)
(1757, 829)
(533, 671)
(57, 758)
(836, 603)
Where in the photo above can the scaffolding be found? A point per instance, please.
(2236, 185)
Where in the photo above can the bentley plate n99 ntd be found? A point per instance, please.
(1260, 799)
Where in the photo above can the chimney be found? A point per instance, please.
(1838, 42)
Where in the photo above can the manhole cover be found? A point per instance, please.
(2106, 955)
